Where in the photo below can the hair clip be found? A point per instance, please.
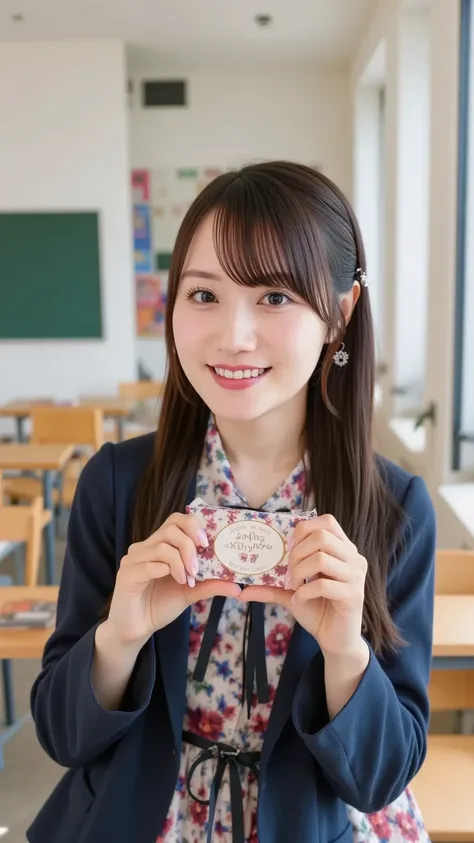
(361, 277)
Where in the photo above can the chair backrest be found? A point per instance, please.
(451, 690)
(454, 572)
(24, 524)
(141, 390)
(68, 425)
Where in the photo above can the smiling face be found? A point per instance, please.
(247, 350)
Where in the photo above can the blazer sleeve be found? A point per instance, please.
(376, 744)
(71, 725)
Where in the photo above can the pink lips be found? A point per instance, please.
(235, 383)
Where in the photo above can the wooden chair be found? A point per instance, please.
(19, 525)
(141, 390)
(23, 525)
(444, 785)
(145, 394)
(454, 572)
(81, 426)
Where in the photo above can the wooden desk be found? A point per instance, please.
(453, 632)
(442, 788)
(114, 407)
(20, 643)
(47, 459)
(25, 643)
(20, 410)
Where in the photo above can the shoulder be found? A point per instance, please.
(116, 468)
(414, 556)
(409, 490)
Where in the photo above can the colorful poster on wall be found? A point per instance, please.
(141, 186)
(142, 245)
(161, 198)
(151, 305)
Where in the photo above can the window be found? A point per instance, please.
(412, 213)
(463, 381)
(370, 175)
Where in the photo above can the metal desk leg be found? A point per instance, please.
(49, 529)
(120, 428)
(8, 692)
(20, 428)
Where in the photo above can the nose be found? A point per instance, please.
(237, 331)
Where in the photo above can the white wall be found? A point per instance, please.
(63, 145)
(237, 115)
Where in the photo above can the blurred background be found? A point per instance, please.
(114, 115)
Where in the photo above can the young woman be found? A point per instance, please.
(191, 712)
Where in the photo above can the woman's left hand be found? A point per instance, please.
(326, 586)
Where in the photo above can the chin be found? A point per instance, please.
(239, 410)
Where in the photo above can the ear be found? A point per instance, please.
(349, 300)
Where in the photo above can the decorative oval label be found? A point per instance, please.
(249, 547)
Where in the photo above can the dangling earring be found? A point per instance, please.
(341, 357)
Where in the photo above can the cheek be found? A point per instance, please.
(302, 339)
(187, 331)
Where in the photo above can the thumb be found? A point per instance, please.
(213, 588)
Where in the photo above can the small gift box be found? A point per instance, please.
(246, 546)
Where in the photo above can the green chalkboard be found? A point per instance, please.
(50, 276)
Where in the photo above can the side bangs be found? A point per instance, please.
(263, 238)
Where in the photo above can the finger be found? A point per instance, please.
(171, 557)
(319, 564)
(265, 594)
(321, 540)
(174, 536)
(207, 589)
(320, 522)
(150, 571)
(329, 589)
(188, 523)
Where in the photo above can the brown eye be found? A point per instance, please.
(201, 296)
(276, 299)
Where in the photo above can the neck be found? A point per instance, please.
(274, 440)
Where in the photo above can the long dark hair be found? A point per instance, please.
(285, 223)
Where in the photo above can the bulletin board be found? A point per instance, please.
(50, 276)
(161, 197)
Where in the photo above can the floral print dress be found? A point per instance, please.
(214, 708)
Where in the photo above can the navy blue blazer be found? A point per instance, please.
(124, 764)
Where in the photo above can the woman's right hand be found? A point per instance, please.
(152, 586)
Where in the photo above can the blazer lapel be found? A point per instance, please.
(173, 648)
(302, 648)
(172, 645)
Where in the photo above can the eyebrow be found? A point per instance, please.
(201, 273)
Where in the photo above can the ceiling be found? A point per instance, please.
(199, 31)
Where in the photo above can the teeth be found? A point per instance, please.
(239, 374)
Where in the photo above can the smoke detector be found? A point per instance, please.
(263, 21)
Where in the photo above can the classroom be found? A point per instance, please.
(115, 118)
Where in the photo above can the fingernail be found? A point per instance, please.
(294, 599)
(288, 582)
(195, 564)
(203, 538)
(290, 543)
(183, 578)
(191, 582)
